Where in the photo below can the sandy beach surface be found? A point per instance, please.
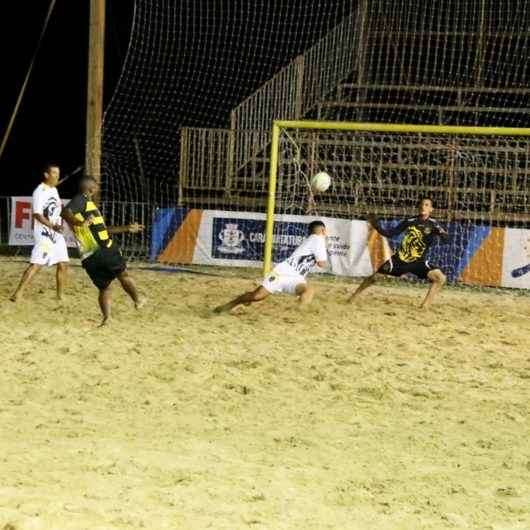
(374, 416)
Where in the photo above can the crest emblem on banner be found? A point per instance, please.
(231, 239)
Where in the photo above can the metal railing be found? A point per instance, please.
(210, 160)
(478, 179)
(299, 86)
(204, 158)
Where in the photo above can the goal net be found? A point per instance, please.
(478, 180)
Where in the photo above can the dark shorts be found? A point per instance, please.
(395, 267)
(104, 266)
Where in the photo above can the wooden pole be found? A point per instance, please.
(94, 113)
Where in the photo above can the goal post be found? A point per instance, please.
(477, 175)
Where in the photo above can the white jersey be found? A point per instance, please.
(50, 246)
(289, 274)
(303, 259)
(46, 201)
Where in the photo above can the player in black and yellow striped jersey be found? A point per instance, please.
(100, 255)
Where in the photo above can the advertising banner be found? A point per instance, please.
(214, 237)
(473, 254)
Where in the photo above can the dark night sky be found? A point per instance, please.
(51, 121)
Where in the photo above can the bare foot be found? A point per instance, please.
(223, 308)
(141, 302)
(15, 297)
(352, 298)
(105, 322)
(429, 307)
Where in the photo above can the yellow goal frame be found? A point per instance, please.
(278, 125)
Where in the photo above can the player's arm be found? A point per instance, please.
(133, 228)
(442, 233)
(70, 218)
(68, 215)
(42, 220)
(321, 253)
(391, 232)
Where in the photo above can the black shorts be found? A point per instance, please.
(104, 266)
(395, 267)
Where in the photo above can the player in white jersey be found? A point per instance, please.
(289, 276)
(50, 245)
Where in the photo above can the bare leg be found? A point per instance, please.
(306, 294)
(60, 275)
(367, 282)
(130, 288)
(105, 304)
(438, 280)
(24, 281)
(257, 295)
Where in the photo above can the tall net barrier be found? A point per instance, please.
(189, 64)
(188, 132)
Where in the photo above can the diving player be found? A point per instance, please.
(289, 276)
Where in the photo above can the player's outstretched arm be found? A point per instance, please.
(443, 234)
(391, 232)
(133, 228)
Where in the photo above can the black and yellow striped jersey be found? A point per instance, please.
(93, 237)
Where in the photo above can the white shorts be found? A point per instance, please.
(45, 252)
(276, 282)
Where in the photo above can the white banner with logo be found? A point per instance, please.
(21, 223)
(516, 258)
(238, 239)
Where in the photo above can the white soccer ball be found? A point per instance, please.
(320, 182)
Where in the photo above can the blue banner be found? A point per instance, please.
(244, 239)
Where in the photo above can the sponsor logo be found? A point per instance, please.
(244, 239)
(22, 213)
(231, 239)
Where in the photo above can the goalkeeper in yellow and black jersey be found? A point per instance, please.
(420, 232)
